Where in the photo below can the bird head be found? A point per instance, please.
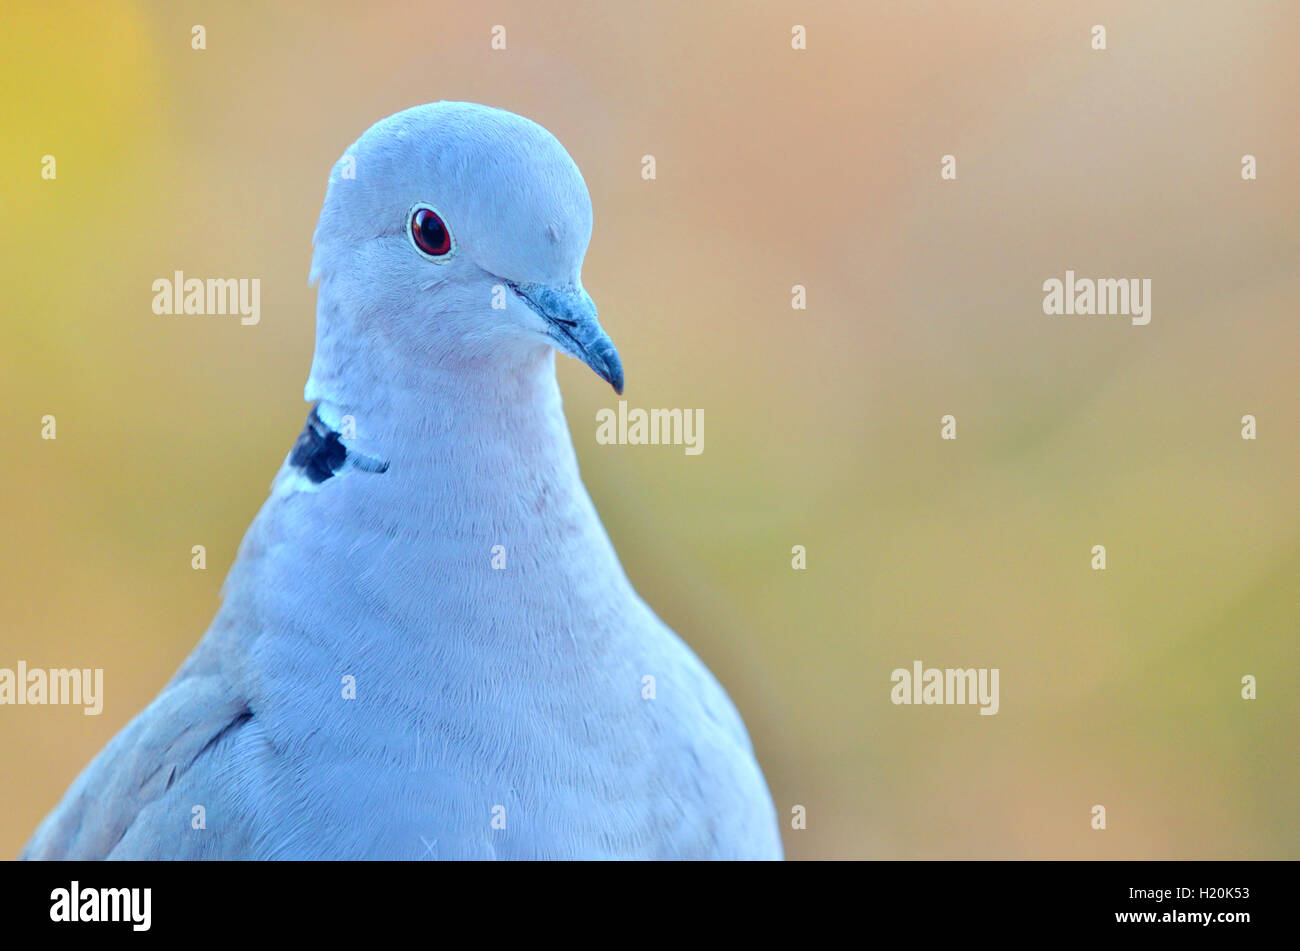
(454, 234)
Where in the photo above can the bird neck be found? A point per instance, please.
(480, 475)
(500, 427)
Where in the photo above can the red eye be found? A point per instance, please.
(430, 234)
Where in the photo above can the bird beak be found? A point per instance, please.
(570, 316)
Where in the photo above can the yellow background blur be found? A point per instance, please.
(775, 167)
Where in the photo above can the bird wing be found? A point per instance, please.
(151, 774)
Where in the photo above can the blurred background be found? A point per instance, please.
(775, 167)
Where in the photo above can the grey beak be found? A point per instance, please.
(570, 316)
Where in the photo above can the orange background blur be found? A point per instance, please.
(775, 167)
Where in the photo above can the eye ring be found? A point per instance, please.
(429, 233)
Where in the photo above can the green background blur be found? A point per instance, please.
(775, 167)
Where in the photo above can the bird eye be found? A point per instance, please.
(429, 232)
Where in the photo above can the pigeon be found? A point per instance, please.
(427, 647)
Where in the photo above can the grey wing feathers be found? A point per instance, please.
(137, 768)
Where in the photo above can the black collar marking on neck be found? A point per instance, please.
(320, 453)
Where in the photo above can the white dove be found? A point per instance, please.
(427, 647)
